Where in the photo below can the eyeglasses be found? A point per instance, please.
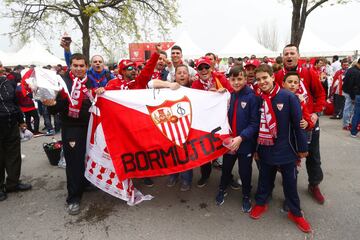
(201, 67)
(130, 68)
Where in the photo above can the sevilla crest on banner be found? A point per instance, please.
(153, 133)
(173, 118)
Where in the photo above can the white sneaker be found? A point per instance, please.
(73, 208)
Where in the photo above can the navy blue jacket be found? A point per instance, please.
(247, 118)
(291, 139)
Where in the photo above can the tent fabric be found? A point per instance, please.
(32, 53)
(244, 44)
(311, 45)
(189, 49)
(352, 45)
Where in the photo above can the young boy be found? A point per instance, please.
(281, 142)
(182, 78)
(292, 83)
(244, 120)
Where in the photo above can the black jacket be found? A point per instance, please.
(62, 107)
(10, 112)
(351, 82)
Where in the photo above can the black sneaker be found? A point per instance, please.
(220, 197)
(20, 187)
(148, 182)
(202, 182)
(3, 196)
(246, 204)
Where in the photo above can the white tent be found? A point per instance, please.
(189, 49)
(33, 53)
(311, 45)
(352, 45)
(244, 44)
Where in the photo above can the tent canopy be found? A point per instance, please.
(244, 44)
(32, 53)
(352, 45)
(189, 49)
(311, 45)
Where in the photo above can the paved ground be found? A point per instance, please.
(40, 213)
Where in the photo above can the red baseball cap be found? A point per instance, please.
(253, 62)
(126, 63)
(203, 60)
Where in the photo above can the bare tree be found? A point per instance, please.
(105, 22)
(267, 35)
(301, 10)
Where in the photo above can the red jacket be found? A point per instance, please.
(140, 81)
(219, 81)
(315, 94)
(337, 82)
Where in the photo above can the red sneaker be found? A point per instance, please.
(317, 195)
(257, 211)
(301, 222)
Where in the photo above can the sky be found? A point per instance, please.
(211, 23)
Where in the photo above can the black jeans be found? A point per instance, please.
(245, 171)
(36, 118)
(313, 161)
(74, 146)
(10, 155)
(339, 102)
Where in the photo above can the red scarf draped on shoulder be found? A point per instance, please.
(268, 126)
(78, 90)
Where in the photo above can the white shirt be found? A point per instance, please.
(336, 66)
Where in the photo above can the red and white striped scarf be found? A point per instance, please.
(78, 90)
(268, 125)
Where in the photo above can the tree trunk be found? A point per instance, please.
(86, 36)
(298, 21)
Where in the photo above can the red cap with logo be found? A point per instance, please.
(203, 60)
(126, 63)
(253, 62)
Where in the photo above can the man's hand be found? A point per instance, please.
(304, 124)
(174, 85)
(100, 90)
(221, 90)
(158, 47)
(49, 102)
(314, 118)
(65, 44)
(303, 154)
(235, 143)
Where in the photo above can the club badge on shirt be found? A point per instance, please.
(280, 106)
(243, 104)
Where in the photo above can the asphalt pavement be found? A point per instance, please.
(40, 213)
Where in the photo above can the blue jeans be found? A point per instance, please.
(348, 109)
(356, 117)
(186, 176)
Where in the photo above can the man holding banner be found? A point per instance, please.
(73, 104)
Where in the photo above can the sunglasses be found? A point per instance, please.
(130, 68)
(201, 67)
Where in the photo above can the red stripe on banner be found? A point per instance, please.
(183, 127)
(171, 131)
(138, 148)
(187, 121)
(163, 128)
(180, 140)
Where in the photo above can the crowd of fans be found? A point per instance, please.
(272, 101)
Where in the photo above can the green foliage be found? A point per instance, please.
(110, 23)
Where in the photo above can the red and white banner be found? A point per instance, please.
(160, 132)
